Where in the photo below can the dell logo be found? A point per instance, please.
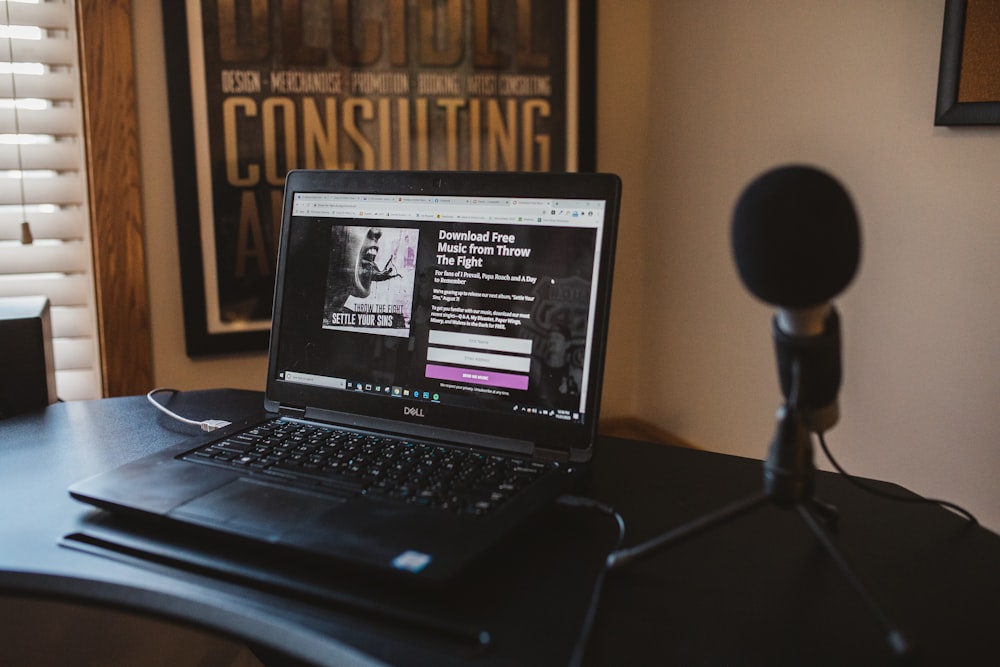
(413, 412)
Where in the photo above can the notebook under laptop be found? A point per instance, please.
(464, 314)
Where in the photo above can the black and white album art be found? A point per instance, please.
(369, 285)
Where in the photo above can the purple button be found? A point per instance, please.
(477, 376)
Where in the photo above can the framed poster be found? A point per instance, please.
(969, 75)
(259, 87)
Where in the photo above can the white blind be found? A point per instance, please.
(44, 227)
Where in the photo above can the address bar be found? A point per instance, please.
(393, 210)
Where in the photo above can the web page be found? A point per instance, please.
(482, 301)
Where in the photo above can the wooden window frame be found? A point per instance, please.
(104, 30)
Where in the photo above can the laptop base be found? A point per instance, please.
(557, 557)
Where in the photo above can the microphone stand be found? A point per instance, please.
(789, 476)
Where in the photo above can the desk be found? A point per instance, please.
(758, 590)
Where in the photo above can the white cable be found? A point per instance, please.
(207, 425)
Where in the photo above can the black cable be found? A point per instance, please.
(588, 622)
(893, 496)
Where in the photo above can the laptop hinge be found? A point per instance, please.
(551, 454)
(287, 411)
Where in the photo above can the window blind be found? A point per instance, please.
(44, 227)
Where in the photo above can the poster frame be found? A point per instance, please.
(190, 185)
(949, 110)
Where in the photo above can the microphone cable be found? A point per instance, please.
(580, 648)
(920, 500)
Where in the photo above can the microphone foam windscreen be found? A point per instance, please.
(796, 238)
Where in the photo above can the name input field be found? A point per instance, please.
(481, 342)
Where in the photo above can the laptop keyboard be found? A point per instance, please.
(342, 461)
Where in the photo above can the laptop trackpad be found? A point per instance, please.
(262, 510)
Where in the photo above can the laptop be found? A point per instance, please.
(430, 330)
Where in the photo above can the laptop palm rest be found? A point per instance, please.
(264, 511)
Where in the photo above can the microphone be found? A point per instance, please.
(797, 245)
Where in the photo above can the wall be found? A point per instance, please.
(849, 86)
(623, 98)
(171, 366)
(695, 99)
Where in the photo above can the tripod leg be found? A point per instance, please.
(623, 556)
(897, 641)
(829, 513)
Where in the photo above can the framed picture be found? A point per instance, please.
(259, 87)
(969, 76)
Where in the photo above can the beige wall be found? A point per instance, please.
(740, 86)
(696, 98)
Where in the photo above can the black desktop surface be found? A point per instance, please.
(755, 590)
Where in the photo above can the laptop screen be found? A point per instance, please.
(445, 306)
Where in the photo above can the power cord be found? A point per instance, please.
(588, 622)
(893, 496)
(206, 425)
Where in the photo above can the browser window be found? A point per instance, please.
(485, 301)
